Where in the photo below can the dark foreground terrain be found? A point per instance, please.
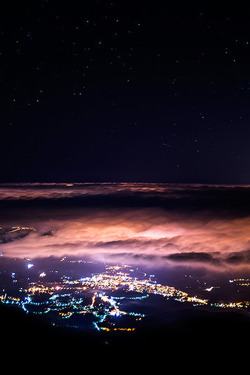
(195, 339)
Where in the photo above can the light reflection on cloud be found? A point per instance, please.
(149, 233)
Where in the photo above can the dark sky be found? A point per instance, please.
(154, 91)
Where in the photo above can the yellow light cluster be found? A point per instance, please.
(65, 314)
(117, 329)
(15, 229)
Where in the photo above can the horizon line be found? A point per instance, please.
(72, 183)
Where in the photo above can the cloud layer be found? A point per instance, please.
(197, 233)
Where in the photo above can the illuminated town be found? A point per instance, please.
(112, 300)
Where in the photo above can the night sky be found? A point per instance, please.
(150, 91)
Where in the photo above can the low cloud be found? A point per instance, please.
(142, 232)
(145, 233)
(193, 257)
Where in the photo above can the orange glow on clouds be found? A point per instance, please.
(141, 233)
(149, 234)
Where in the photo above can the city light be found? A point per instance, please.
(103, 301)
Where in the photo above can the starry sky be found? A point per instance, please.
(146, 91)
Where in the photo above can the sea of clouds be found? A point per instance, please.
(200, 225)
